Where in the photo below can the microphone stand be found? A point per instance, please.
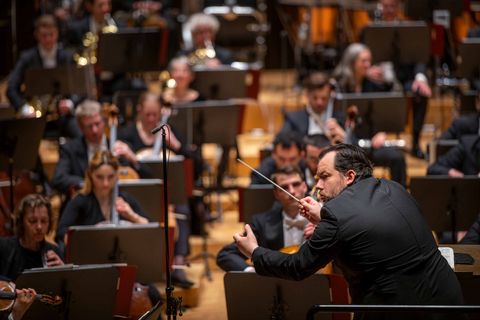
(173, 304)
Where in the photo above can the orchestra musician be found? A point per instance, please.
(313, 145)
(464, 124)
(204, 51)
(318, 115)
(376, 234)
(281, 226)
(47, 54)
(28, 248)
(24, 299)
(355, 74)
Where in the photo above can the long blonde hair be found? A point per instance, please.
(99, 159)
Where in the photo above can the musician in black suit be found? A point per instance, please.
(287, 150)
(318, 115)
(463, 159)
(375, 232)
(313, 145)
(47, 55)
(75, 155)
(466, 124)
(279, 227)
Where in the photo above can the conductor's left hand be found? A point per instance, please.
(246, 242)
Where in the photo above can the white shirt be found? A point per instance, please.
(293, 235)
(93, 148)
(316, 122)
(49, 57)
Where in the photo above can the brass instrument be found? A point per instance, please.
(201, 55)
(90, 43)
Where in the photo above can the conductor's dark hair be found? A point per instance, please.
(287, 170)
(288, 139)
(350, 157)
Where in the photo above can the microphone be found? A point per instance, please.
(158, 128)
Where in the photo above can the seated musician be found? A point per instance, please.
(459, 161)
(28, 248)
(24, 299)
(75, 154)
(281, 226)
(412, 77)
(352, 75)
(287, 150)
(464, 124)
(181, 71)
(48, 54)
(317, 117)
(94, 204)
(473, 234)
(313, 145)
(203, 28)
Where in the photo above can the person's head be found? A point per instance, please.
(203, 27)
(355, 62)
(390, 9)
(149, 110)
(313, 145)
(291, 179)
(98, 9)
(46, 31)
(340, 166)
(318, 89)
(287, 149)
(181, 71)
(101, 174)
(33, 219)
(90, 121)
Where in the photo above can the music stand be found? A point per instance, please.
(180, 170)
(385, 111)
(87, 291)
(468, 103)
(140, 245)
(422, 10)
(273, 298)
(405, 42)
(63, 80)
(470, 60)
(134, 50)
(454, 205)
(6, 112)
(148, 193)
(220, 83)
(440, 147)
(254, 199)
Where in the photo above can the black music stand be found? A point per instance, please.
(220, 83)
(386, 111)
(140, 245)
(423, 10)
(250, 296)
(468, 103)
(63, 80)
(87, 291)
(440, 147)
(469, 66)
(254, 199)
(402, 43)
(19, 142)
(448, 204)
(6, 112)
(148, 193)
(133, 50)
(178, 171)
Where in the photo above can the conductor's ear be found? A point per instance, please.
(350, 176)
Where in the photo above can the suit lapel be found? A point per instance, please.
(274, 229)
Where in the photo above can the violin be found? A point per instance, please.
(8, 296)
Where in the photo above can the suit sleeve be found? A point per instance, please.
(313, 254)
(473, 234)
(15, 82)
(63, 179)
(452, 159)
(70, 217)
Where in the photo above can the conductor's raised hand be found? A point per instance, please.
(246, 241)
(310, 209)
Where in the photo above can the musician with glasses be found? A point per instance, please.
(280, 227)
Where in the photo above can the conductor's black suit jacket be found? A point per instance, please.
(268, 229)
(376, 233)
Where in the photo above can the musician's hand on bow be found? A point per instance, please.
(422, 87)
(53, 259)
(378, 140)
(375, 73)
(310, 209)
(455, 173)
(246, 241)
(308, 231)
(121, 149)
(335, 131)
(126, 212)
(24, 300)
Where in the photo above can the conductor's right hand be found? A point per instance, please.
(246, 242)
(310, 209)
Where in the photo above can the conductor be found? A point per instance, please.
(374, 231)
